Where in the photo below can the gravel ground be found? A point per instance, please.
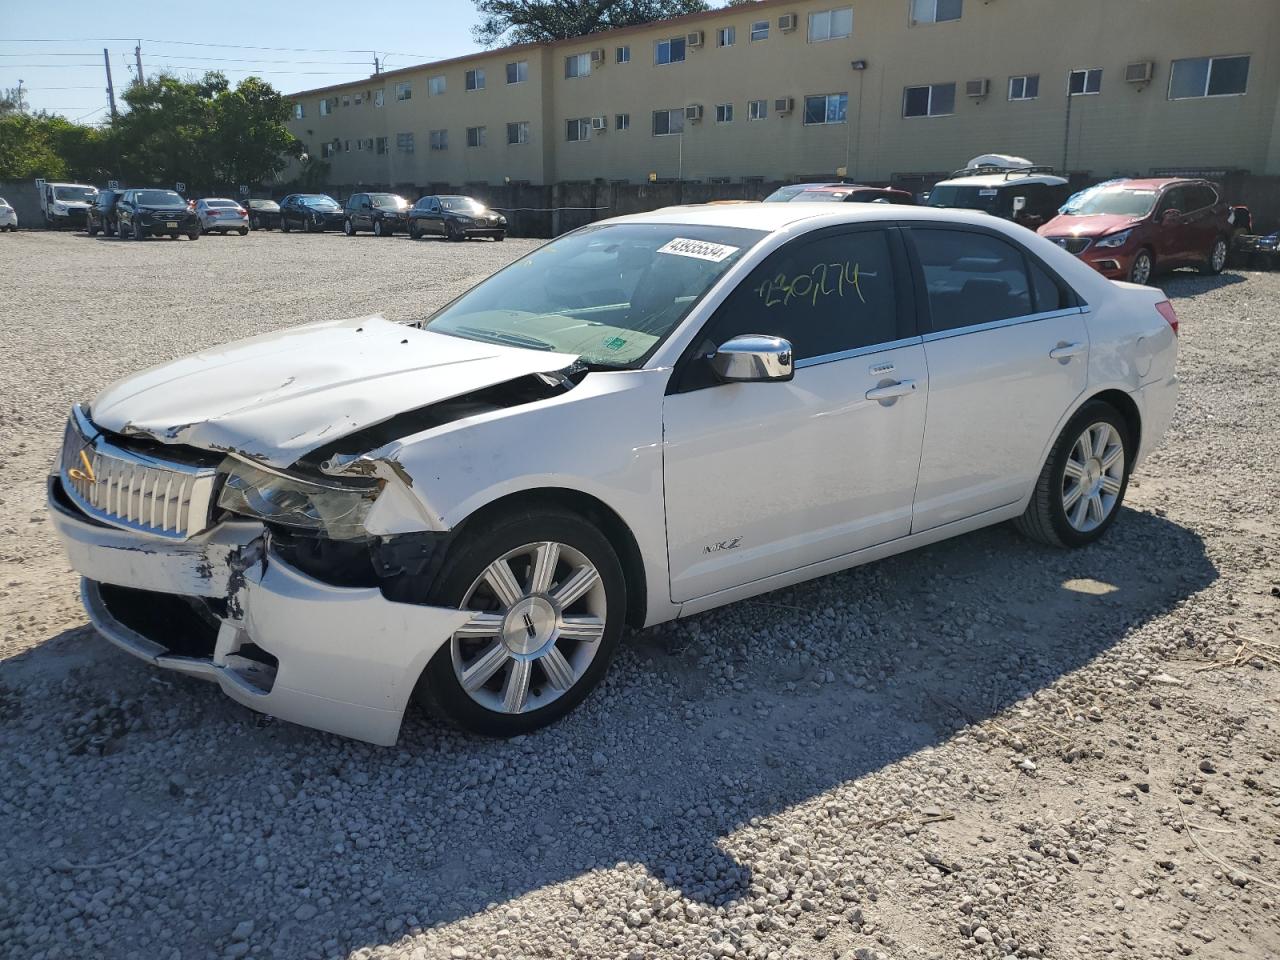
(981, 749)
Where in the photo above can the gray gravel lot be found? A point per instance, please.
(982, 749)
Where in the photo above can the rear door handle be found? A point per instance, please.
(891, 390)
(1066, 351)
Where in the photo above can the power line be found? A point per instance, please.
(231, 46)
(186, 66)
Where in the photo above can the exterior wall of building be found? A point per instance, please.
(1125, 128)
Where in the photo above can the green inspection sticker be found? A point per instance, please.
(614, 343)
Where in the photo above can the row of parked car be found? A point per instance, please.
(137, 214)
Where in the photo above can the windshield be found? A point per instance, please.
(783, 194)
(1118, 201)
(320, 202)
(268, 205)
(74, 193)
(462, 205)
(966, 198)
(609, 294)
(160, 198)
(388, 201)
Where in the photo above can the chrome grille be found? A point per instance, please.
(128, 489)
(1076, 245)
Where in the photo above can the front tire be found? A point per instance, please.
(138, 232)
(1216, 262)
(549, 596)
(451, 231)
(348, 229)
(1082, 486)
(378, 229)
(1141, 269)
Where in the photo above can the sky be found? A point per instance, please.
(329, 42)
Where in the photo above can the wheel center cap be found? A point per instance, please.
(1093, 474)
(529, 624)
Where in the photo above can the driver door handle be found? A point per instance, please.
(1066, 351)
(899, 389)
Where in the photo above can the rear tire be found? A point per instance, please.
(562, 669)
(1054, 516)
(193, 235)
(137, 232)
(1216, 262)
(284, 225)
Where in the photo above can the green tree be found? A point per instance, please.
(539, 21)
(27, 150)
(251, 141)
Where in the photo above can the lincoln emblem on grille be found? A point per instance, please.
(86, 475)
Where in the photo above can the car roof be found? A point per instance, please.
(1155, 183)
(779, 216)
(218, 199)
(1012, 178)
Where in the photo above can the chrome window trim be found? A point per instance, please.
(998, 324)
(856, 352)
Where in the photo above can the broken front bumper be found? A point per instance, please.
(278, 641)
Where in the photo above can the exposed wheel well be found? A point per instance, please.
(1124, 404)
(599, 513)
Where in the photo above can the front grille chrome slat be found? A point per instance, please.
(125, 488)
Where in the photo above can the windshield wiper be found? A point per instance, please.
(515, 339)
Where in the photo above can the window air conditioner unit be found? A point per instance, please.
(597, 56)
(693, 112)
(694, 39)
(787, 22)
(784, 105)
(1139, 72)
(600, 124)
(977, 88)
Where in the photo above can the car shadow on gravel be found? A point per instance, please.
(705, 725)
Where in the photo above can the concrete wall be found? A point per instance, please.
(1125, 128)
(25, 200)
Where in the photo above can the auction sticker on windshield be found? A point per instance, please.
(698, 249)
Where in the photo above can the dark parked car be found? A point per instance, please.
(263, 214)
(310, 212)
(381, 213)
(144, 213)
(102, 213)
(1026, 195)
(838, 193)
(455, 218)
(1130, 229)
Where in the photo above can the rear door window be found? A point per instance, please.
(971, 278)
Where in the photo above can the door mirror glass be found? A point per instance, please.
(1171, 216)
(1019, 204)
(753, 357)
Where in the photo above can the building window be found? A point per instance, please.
(1083, 82)
(724, 113)
(622, 121)
(1208, 77)
(381, 145)
(359, 144)
(578, 65)
(668, 122)
(757, 109)
(324, 107)
(437, 85)
(439, 139)
(326, 150)
(517, 132)
(1024, 88)
(299, 112)
(937, 100)
(830, 24)
(377, 98)
(477, 136)
(359, 99)
(404, 142)
(668, 51)
(935, 11)
(760, 30)
(346, 146)
(518, 72)
(826, 108)
(725, 36)
(622, 54)
(404, 90)
(579, 129)
(475, 79)
(346, 99)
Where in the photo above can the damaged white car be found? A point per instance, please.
(644, 419)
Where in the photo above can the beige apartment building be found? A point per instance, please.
(875, 90)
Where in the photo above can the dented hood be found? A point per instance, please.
(275, 397)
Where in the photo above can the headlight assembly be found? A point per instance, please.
(1115, 239)
(338, 511)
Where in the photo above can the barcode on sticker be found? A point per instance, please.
(698, 249)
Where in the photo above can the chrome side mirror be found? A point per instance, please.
(753, 357)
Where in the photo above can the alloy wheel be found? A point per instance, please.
(540, 613)
(1218, 258)
(1141, 271)
(1093, 477)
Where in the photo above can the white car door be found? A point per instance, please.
(1008, 354)
(762, 478)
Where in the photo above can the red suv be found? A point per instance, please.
(1129, 229)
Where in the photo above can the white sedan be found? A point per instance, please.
(8, 216)
(643, 419)
(219, 215)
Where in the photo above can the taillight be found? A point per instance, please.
(1165, 309)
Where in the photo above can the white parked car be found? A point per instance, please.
(219, 215)
(641, 420)
(8, 216)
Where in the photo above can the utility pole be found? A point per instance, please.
(377, 66)
(111, 90)
(137, 55)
